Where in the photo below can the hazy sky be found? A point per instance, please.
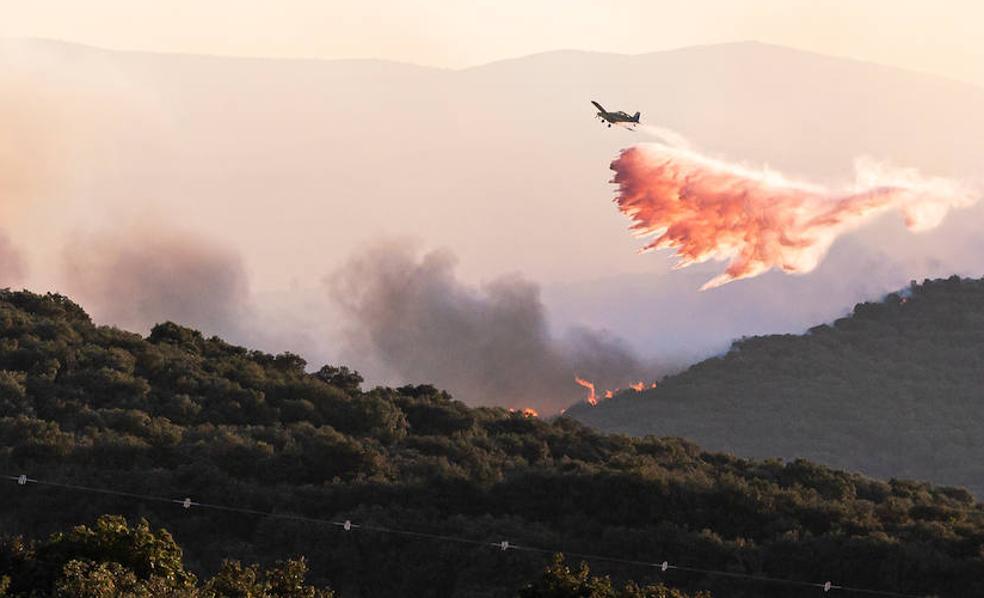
(227, 195)
(939, 37)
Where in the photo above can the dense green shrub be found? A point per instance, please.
(176, 414)
(892, 390)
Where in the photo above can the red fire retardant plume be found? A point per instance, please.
(756, 219)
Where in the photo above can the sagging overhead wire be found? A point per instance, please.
(502, 545)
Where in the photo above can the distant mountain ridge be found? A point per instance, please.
(74, 46)
(896, 389)
(293, 165)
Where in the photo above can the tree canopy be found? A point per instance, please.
(892, 390)
(113, 558)
(560, 581)
(177, 414)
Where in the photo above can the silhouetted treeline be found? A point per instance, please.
(177, 415)
(894, 390)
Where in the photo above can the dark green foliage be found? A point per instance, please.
(177, 415)
(559, 581)
(285, 579)
(340, 377)
(894, 390)
(138, 550)
(114, 559)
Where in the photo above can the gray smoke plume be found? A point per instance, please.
(143, 276)
(413, 320)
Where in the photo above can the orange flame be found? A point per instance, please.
(592, 398)
(526, 411)
(703, 209)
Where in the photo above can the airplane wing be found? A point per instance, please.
(598, 106)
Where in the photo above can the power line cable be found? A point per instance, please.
(503, 545)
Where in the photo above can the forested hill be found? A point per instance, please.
(179, 415)
(896, 389)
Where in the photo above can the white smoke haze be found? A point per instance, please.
(12, 267)
(665, 135)
(66, 119)
(275, 172)
(33, 142)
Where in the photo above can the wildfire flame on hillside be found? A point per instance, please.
(592, 397)
(526, 412)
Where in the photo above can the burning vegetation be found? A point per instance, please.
(592, 395)
(592, 398)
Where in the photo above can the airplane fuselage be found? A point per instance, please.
(615, 117)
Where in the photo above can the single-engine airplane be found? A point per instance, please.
(614, 118)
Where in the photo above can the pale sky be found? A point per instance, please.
(942, 37)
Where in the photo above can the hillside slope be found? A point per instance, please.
(896, 389)
(176, 414)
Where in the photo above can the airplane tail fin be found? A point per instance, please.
(635, 117)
